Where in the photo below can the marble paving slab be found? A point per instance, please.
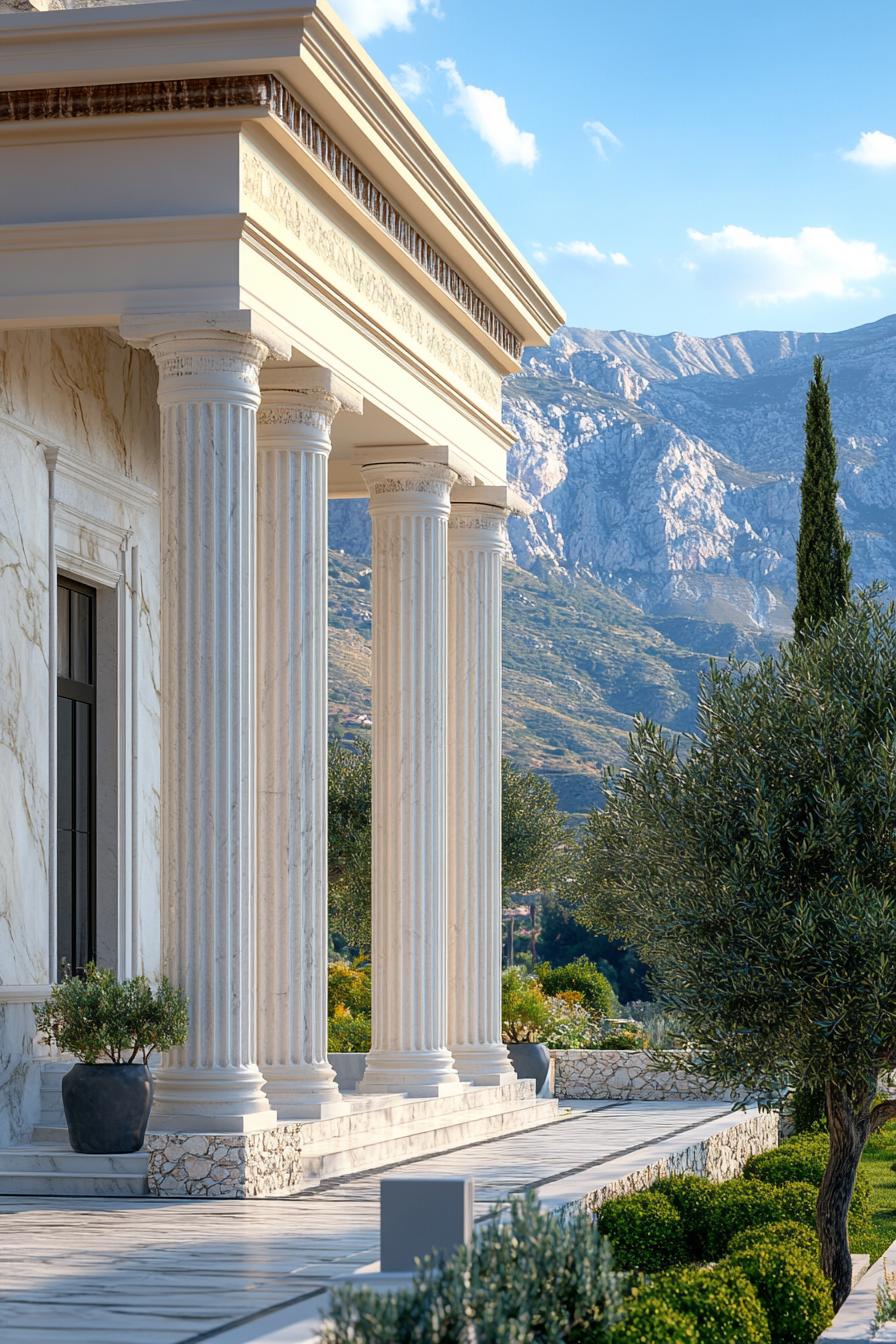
(155, 1272)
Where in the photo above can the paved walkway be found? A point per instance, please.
(96, 1271)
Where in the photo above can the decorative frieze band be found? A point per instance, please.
(265, 91)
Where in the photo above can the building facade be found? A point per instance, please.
(238, 279)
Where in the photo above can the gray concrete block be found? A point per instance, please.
(420, 1215)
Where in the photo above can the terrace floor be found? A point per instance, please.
(121, 1271)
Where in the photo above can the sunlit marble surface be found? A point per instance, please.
(90, 396)
(150, 1272)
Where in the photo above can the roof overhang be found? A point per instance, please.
(303, 44)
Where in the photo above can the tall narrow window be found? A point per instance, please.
(76, 775)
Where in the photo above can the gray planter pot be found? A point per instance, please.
(531, 1061)
(107, 1106)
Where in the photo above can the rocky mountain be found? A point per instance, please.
(663, 474)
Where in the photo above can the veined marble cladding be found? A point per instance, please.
(175, 95)
(225, 1166)
(92, 398)
(623, 1075)
(719, 1156)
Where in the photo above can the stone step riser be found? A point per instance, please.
(408, 1111)
(482, 1117)
(85, 1185)
(34, 1161)
(386, 1152)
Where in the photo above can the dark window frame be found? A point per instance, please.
(80, 692)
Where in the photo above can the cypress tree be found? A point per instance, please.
(823, 573)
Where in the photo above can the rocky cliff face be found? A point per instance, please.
(669, 466)
(664, 478)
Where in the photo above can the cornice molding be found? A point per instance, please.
(81, 471)
(266, 92)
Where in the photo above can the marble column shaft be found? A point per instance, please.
(208, 395)
(294, 445)
(476, 546)
(409, 507)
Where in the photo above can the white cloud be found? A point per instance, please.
(409, 81)
(579, 250)
(584, 251)
(486, 112)
(368, 18)
(601, 137)
(761, 269)
(875, 149)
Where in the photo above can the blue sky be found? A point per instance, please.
(694, 166)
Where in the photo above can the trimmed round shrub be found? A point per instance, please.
(785, 1233)
(722, 1302)
(798, 1201)
(644, 1232)
(794, 1293)
(693, 1197)
(804, 1158)
(739, 1204)
(582, 976)
(648, 1317)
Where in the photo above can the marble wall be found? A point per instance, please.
(88, 398)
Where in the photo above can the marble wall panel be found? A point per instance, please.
(91, 397)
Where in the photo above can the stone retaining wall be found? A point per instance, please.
(720, 1156)
(624, 1075)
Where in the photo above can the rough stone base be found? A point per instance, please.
(719, 1156)
(225, 1166)
(624, 1075)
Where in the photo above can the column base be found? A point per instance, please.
(484, 1065)
(303, 1092)
(221, 1101)
(416, 1073)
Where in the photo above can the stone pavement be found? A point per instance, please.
(180, 1272)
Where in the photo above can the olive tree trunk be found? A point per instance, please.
(849, 1124)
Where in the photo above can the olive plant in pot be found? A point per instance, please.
(525, 1017)
(112, 1027)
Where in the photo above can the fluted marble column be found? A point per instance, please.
(476, 544)
(294, 422)
(409, 507)
(208, 394)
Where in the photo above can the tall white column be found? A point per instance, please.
(294, 422)
(476, 545)
(208, 395)
(409, 507)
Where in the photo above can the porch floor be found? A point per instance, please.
(179, 1272)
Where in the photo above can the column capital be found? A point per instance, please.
(144, 330)
(477, 526)
(298, 407)
(401, 486)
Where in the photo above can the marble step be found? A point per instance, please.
(54, 1169)
(384, 1112)
(333, 1158)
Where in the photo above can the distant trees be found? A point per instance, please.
(756, 875)
(534, 834)
(823, 574)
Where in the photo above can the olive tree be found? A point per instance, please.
(753, 867)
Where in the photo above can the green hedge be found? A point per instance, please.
(644, 1230)
(804, 1158)
(693, 1197)
(785, 1233)
(794, 1293)
(722, 1303)
(650, 1320)
(739, 1204)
